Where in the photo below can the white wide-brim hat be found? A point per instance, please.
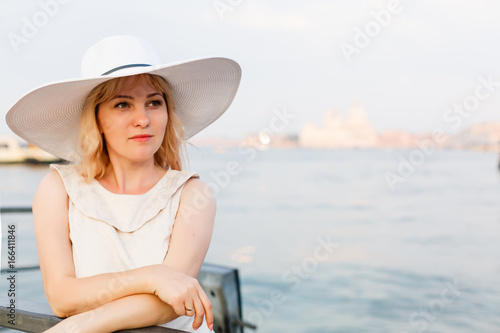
(49, 116)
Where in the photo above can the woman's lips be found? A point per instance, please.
(141, 137)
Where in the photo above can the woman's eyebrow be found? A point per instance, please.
(122, 96)
(130, 97)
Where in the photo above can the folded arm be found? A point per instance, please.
(164, 291)
(128, 312)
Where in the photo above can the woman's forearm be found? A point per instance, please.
(176, 289)
(76, 295)
(128, 312)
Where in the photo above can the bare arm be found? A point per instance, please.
(128, 312)
(191, 237)
(69, 295)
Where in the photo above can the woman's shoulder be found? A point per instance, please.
(176, 179)
(69, 174)
(50, 189)
(54, 178)
(67, 179)
(64, 170)
(196, 191)
(194, 184)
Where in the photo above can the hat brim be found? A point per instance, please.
(49, 116)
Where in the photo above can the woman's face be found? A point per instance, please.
(134, 121)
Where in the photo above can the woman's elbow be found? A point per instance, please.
(61, 303)
(58, 312)
(58, 308)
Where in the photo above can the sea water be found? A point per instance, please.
(336, 240)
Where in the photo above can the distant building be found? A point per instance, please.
(484, 136)
(353, 132)
(12, 150)
(395, 139)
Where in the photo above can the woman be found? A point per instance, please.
(122, 233)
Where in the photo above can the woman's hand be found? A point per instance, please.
(183, 293)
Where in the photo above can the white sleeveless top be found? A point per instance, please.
(113, 232)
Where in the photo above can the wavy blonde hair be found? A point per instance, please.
(94, 155)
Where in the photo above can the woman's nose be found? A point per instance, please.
(141, 117)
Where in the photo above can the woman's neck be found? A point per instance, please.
(131, 179)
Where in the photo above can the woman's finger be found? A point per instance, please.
(179, 308)
(190, 310)
(207, 306)
(177, 302)
(198, 308)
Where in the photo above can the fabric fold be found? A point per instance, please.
(126, 213)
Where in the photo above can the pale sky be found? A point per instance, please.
(424, 56)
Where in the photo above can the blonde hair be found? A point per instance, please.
(94, 156)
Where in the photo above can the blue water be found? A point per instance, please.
(323, 243)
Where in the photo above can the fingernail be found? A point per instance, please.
(211, 327)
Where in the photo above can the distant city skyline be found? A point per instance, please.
(354, 131)
(412, 65)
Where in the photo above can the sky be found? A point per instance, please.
(408, 63)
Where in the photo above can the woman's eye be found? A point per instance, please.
(121, 105)
(157, 103)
